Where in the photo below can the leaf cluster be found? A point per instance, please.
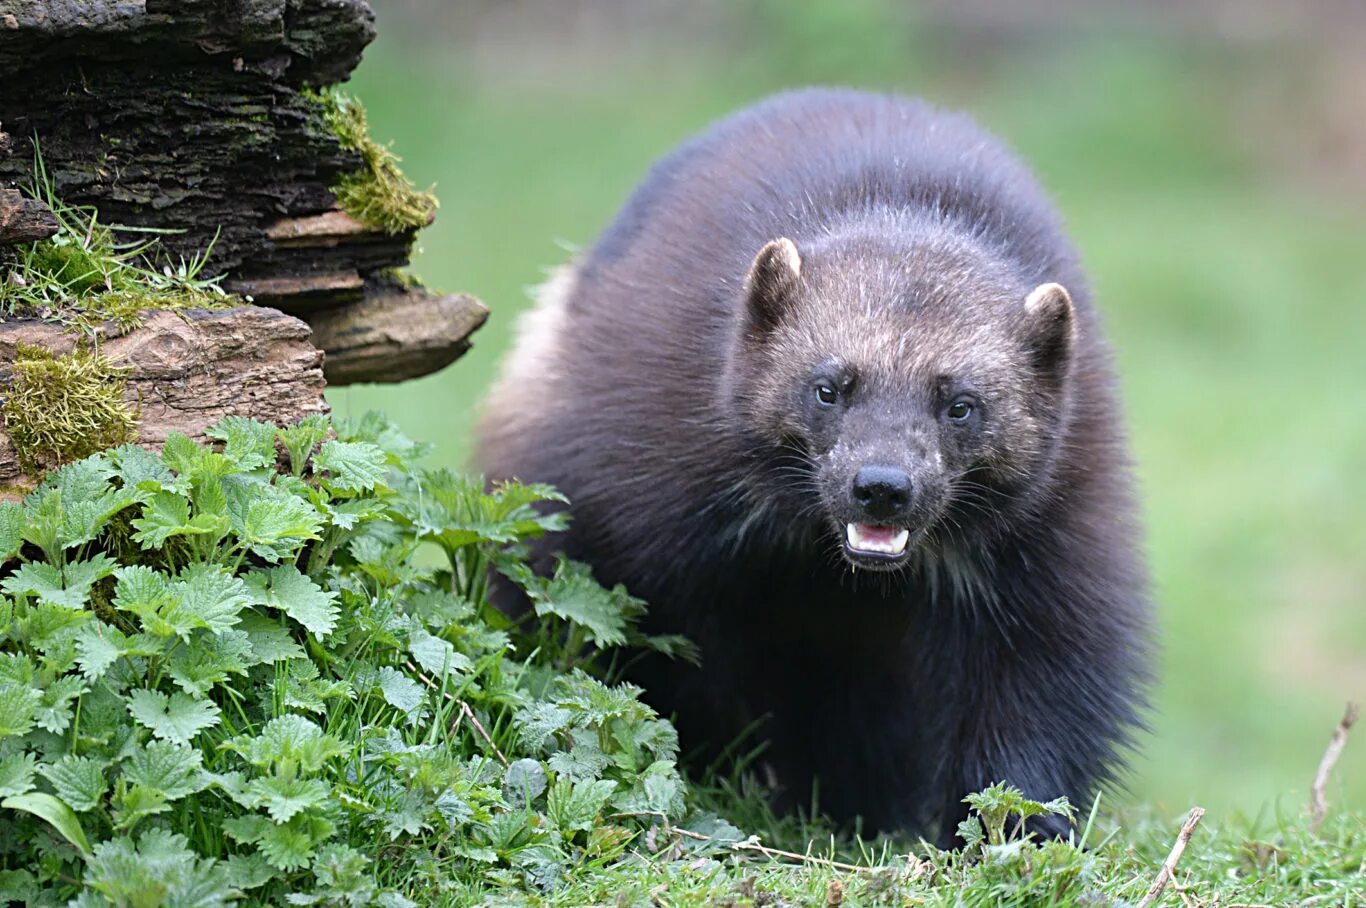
(268, 670)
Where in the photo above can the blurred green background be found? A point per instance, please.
(1210, 159)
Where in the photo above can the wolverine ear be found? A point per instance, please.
(1052, 325)
(771, 285)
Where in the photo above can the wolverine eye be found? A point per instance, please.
(827, 395)
(959, 411)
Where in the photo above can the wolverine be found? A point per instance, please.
(830, 394)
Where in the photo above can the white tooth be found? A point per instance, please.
(899, 541)
(859, 542)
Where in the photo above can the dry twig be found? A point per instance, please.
(1318, 804)
(465, 712)
(1169, 865)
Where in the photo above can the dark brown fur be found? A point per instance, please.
(666, 387)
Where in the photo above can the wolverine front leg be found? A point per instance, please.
(1044, 718)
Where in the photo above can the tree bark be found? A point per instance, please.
(390, 334)
(24, 220)
(189, 370)
(193, 116)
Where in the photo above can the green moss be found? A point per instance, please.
(378, 194)
(61, 408)
(125, 307)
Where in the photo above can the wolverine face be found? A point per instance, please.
(916, 390)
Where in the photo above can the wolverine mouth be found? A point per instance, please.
(867, 543)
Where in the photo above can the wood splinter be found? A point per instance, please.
(1318, 803)
(1169, 865)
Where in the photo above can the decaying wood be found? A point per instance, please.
(399, 334)
(189, 370)
(195, 116)
(24, 220)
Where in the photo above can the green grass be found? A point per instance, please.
(1232, 296)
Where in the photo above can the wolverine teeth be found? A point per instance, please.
(878, 540)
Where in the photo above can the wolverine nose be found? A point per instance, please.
(883, 492)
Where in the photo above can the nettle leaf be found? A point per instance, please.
(659, 789)
(50, 627)
(353, 466)
(293, 593)
(139, 468)
(289, 743)
(970, 831)
(79, 781)
(84, 519)
(538, 723)
(249, 444)
(160, 869)
(453, 510)
(573, 594)
(211, 596)
(249, 871)
(16, 774)
(178, 717)
(283, 798)
(399, 690)
(18, 705)
(299, 440)
(173, 771)
(83, 479)
(291, 846)
(207, 659)
(575, 805)
(583, 760)
(271, 524)
(146, 592)
(54, 705)
(17, 668)
(304, 689)
(246, 829)
(68, 587)
(98, 646)
(268, 640)
(203, 596)
(183, 455)
(11, 529)
(168, 515)
(436, 656)
(132, 805)
(350, 513)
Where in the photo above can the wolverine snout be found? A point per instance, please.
(882, 493)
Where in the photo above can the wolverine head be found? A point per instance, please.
(904, 389)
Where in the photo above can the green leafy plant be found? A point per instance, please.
(1001, 815)
(234, 672)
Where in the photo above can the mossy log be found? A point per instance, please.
(180, 372)
(202, 117)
